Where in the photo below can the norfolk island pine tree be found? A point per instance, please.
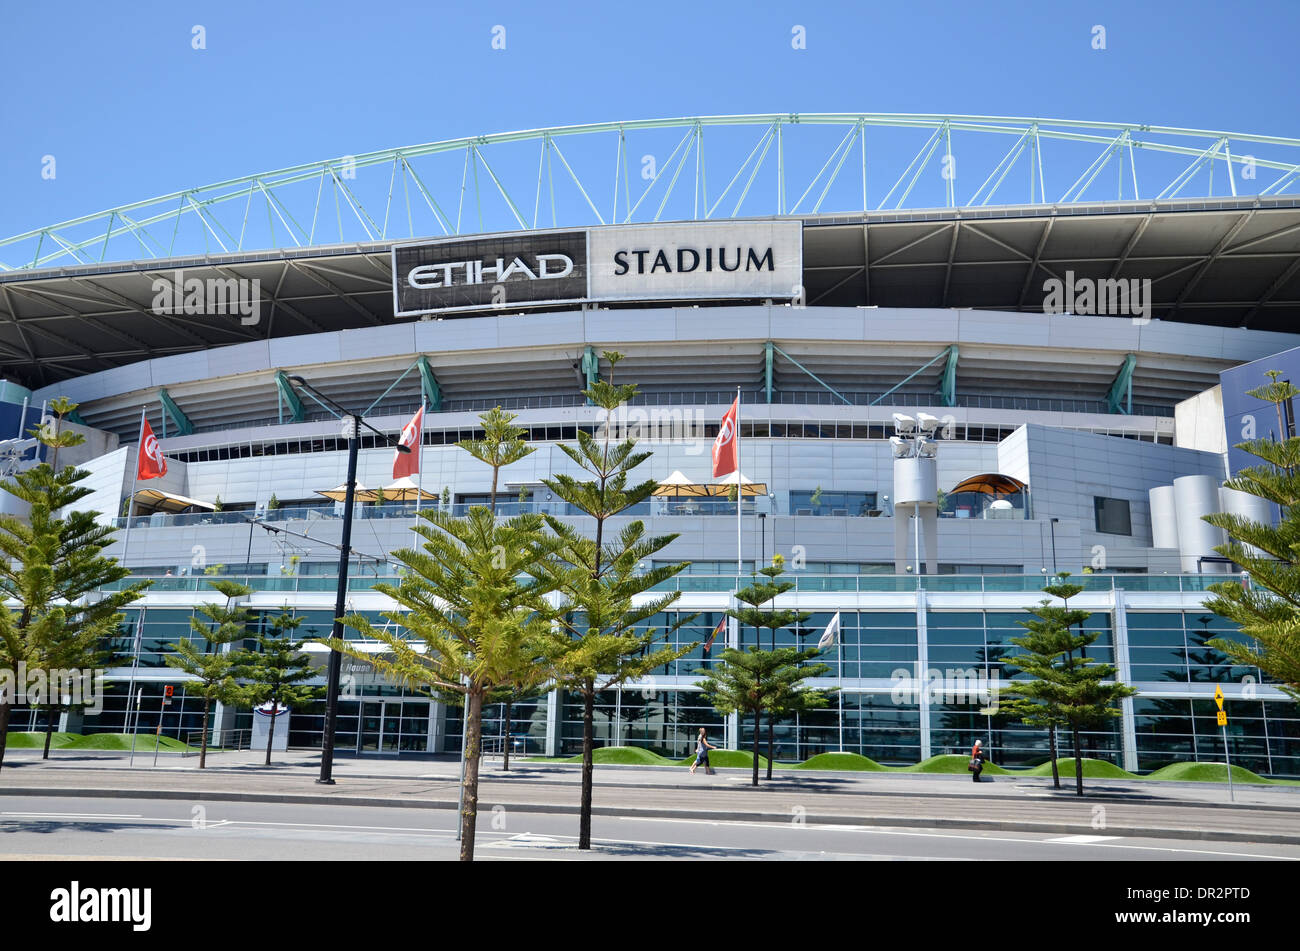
(755, 681)
(213, 667)
(469, 593)
(48, 566)
(1073, 689)
(598, 646)
(502, 445)
(1043, 643)
(276, 672)
(55, 437)
(1270, 617)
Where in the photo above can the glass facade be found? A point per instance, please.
(968, 648)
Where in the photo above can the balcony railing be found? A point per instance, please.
(363, 580)
(505, 509)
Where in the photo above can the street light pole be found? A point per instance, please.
(335, 669)
(1053, 524)
(340, 605)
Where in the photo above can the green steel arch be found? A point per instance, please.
(673, 169)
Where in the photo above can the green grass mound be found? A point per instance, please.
(952, 763)
(1207, 773)
(122, 742)
(842, 761)
(1092, 769)
(729, 759)
(36, 741)
(616, 756)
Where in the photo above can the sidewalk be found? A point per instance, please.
(1109, 807)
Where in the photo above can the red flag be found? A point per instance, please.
(724, 447)
(722, 626)
(151, 463)
(406, 463)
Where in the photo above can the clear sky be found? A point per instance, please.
(130, 110)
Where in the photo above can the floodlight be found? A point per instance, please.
(927, 423)
(902, 448)
(926, 448)
(904, 424)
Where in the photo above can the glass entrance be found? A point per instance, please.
(392, 726)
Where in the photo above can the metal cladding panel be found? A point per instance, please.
(1194, 496)
(1245, 417)
(1164, 517)
(916, 480)
(530, 268)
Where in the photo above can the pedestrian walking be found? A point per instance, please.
(702, 747)
(977, 758)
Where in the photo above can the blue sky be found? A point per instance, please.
(130, 110)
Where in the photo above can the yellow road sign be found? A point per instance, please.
(1223, 718)
(1218, 696)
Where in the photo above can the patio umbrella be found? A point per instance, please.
(677, 485)
(747, 487)
(404, 490)
(360, 494)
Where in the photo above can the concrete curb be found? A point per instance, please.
(920, 822)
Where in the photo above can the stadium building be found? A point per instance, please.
(943, 403)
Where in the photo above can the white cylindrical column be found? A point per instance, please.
(1247, 506)
(1164, 517)
(916, 480)
(1194, 496)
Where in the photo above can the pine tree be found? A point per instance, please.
(275, 673)
(1267, 611)
(468, 594)
(604, 645)
(1072, 689)
(1041, 646)
(213, 667)
(756, 595)
(502, 445)
(49, 564)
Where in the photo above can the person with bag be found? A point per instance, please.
(702, 747)
(976, 764)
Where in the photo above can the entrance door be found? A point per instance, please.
(389, 726)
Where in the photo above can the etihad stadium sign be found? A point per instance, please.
(670, 262)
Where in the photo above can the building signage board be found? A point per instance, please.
(479, 273)
(666, 262)
(697, 260)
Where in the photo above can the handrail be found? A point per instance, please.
(804, 583)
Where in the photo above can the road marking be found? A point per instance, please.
(972, 836)
(72, 815)
(1083, 839)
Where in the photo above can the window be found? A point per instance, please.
(1112, 516)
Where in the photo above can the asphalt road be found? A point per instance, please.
(45, 827)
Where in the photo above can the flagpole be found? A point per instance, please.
(419, 463)
(740, 490)
(135, 473)
(839, 643)
(130, 696)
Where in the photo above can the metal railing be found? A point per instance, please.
(505, 509)
(859, 584)
(219, 741)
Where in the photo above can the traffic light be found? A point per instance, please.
(167, 690)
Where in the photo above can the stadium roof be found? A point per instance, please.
(1229, 262)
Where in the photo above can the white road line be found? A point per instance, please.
(974, 837)
(1084, 839)
(72, 815)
